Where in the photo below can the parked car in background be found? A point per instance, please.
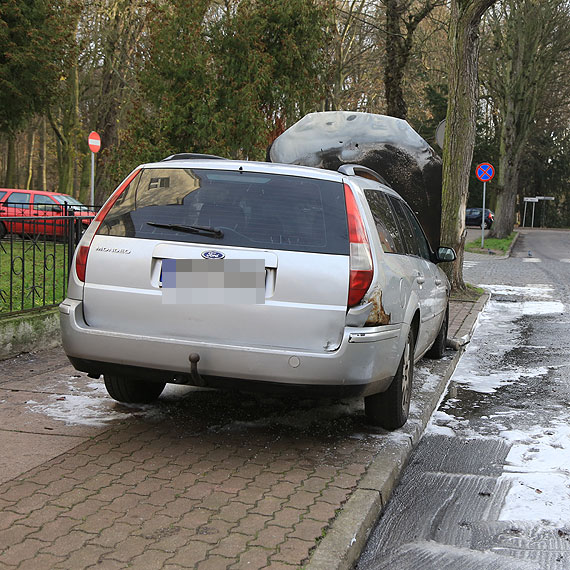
(256, 276)
(473, 217)
(41, 205)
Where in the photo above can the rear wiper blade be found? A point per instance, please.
(190, 229)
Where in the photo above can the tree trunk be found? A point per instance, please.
(31, 145)
(460, 127)
(43, 155)
(394, 65)
(511, 152)
(67, 134)
(11, 179)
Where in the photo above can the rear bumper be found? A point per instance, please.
(364, 363)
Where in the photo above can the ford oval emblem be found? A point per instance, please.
(212, 254)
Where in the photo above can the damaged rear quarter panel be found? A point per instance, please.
(378, 315)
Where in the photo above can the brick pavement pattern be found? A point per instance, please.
(203, 483)
(181, 491)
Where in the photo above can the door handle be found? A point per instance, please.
(438, 281)
(420, 279)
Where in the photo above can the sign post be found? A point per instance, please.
(94, 141)
(544, 199)
(484, 172)
(526, 201)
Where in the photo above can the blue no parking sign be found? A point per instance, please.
(485, 172)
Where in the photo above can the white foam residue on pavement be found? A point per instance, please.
(490, 383)
(538, 465)
(84, 410)
(442, 423)
(499, 328)
(542, 308)
(535, 290)
(537, 497)
(427, 381)
(90, 407)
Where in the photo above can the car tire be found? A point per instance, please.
(132, 390)
(390, 409)
(437, 349)
(3, 230)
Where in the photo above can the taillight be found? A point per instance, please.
(361, 267)
(81, 261)
(83, 248)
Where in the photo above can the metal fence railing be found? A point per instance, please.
(35, 258)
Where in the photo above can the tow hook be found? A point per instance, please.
(198, 380)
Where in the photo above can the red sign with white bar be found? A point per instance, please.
(94, 141)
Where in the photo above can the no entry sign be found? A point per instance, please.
(485, 172)
(94, 141)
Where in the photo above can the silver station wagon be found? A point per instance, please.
(253, 276)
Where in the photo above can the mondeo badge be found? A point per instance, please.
(212, 254)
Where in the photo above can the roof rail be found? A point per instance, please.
(190, 156)
(365, 172)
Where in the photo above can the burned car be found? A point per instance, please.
(256, 276)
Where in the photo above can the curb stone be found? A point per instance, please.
(340, 549)
(508, 254)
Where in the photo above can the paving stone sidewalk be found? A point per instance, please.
(203, 480)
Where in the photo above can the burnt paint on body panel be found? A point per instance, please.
(387, 145)
(420, 187)
(378, 315)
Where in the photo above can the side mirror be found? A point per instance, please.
(445, 254)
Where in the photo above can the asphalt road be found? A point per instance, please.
(489, 485)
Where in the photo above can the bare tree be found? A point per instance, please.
(460, 126)
(354, 52)
(528, 39)
(402, 19)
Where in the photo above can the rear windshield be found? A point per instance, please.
(246, 209)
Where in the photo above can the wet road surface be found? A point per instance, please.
(489, 484)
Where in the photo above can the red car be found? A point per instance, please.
(44, 205)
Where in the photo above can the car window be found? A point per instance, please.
(18, 198)
(408, 235)
(386, 226)
(2, 194)
(419, 234)
(65, 199)
(45, 203)
(251, 209)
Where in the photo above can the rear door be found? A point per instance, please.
(223, 257)
(423, 276)
(437, 292)
(46, 209)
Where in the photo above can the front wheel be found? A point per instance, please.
(390, 409)
(132, 390)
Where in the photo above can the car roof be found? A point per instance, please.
(41, 192)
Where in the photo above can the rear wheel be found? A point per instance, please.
(2, 230)
(390, 409)
(438, 348)
(132, 390)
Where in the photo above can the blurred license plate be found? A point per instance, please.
(213, 281)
